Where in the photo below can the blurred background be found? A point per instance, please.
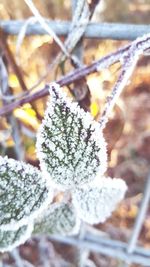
(127, 132)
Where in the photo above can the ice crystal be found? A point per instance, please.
(23, 193)
(11, 239)
(95, 203)
(70, 144)
(60, 218)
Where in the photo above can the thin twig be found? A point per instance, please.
(22, 33)
(16, 256)
(6, 50)
(45, 26)
(11, 60)
(15, 127)
(78, 26)
(129, 62)
(80, 20)
(139, 219)
(77, 30)
(43, 249)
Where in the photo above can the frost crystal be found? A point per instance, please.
(95, 203)
(23, 194)
(70, 144)
(60, 218)
(11, 239)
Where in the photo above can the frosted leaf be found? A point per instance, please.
(23, 193)
(95, 203)
(60, 218)
(11, 239)
(70, 144)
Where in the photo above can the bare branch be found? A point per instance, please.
(5, 48)
(68, 79)
(130, 52)
(15, 127)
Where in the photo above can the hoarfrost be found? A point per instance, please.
(60, 218)
(95, 203)
(70, 144)
(23, 193)
(11, 239)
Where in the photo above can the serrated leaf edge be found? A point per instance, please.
(99, 183)
(21, 241)
(15, 225)
(74, 108)
(52, 208)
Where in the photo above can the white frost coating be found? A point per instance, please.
(11, 239)
(137, 47)
(70, 144)
(23, 193)
(95, 203)
(129, 58)
(59, 218)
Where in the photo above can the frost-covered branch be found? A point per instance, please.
(76, 75)
(128, 61)
(129, 53)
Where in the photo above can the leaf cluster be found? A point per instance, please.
(73, 159)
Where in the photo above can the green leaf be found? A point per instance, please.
(60, 218)
(23, 193)
(11, 239)
(94, 203)
(70, 144)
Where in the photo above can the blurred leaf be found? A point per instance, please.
(27, 116)
(94, 109)
(13, 80)
(60, 218)
(114, 128)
